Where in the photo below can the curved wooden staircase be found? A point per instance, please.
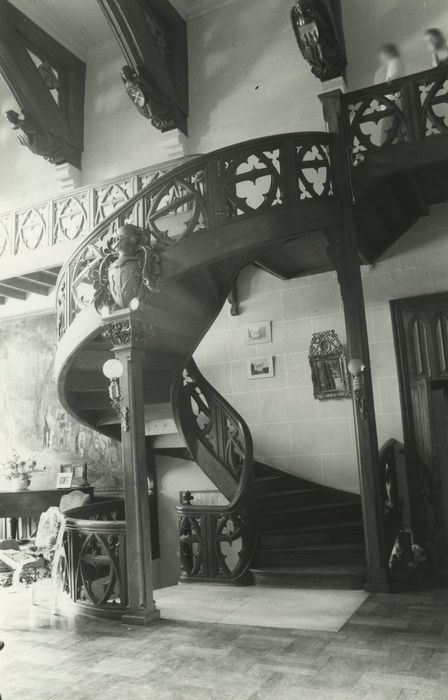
(272, 202)
(308, 535)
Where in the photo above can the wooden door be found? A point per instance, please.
(421, 338)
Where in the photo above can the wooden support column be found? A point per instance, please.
(344, 253)
(127, 333)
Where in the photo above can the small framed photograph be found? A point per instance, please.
(258, 333)
(260, 368)
(64, 480)
(78, 475)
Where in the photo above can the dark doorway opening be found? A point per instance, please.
(421, 344)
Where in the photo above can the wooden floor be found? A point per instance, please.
(393, 647)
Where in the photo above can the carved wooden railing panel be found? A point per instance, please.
(69, 217)
(202, 195)
(392, 502)
(409, 109)
(95, 547)
(216, 542)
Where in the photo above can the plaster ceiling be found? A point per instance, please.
(80, 25)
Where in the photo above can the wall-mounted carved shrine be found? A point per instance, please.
(328, 367)
(47, 82)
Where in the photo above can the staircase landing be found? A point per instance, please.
(323, 611)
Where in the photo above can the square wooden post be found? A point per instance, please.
(127, 332)
(344, 253)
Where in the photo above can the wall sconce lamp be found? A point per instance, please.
(113, 370)
(357, 369)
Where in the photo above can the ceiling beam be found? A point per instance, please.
(12, 293)
(22, 284)
(46, 277)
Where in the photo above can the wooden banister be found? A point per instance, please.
(221, 443)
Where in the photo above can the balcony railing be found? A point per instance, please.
(409, 109)
(72, 216)
(95, 548)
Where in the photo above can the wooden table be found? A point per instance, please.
(31, 504)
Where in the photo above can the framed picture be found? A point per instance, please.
(258, 333)
(64, 480)
(260, 368)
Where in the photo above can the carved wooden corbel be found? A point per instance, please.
(47, 82)
(318, 28)
(153, 39)
(234, 300)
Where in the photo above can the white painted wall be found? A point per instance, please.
(371, 23)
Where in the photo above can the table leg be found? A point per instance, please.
(14, 527)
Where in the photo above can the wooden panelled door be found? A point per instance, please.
(421, 341)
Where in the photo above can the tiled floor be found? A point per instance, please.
(325, 611)
(393, 648)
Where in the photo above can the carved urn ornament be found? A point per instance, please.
(128, 272)
(318, 31)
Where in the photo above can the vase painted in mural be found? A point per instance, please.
(19, 484)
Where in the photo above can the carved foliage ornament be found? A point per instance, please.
(328, 366)
(129, 270)
(128, 332)
(317, 25)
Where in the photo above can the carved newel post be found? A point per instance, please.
(128, 331)
(128, 276)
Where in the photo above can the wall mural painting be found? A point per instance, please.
(33, 422)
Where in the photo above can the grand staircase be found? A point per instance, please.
(271, 202)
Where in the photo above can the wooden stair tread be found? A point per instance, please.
(355, 546)
(326, 569)
(316, 528)
(285, 492)
(279, 475)
(316, 506)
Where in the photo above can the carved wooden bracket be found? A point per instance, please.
(47, 81)
(153, 39)
(319, 32)
(234, 300)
